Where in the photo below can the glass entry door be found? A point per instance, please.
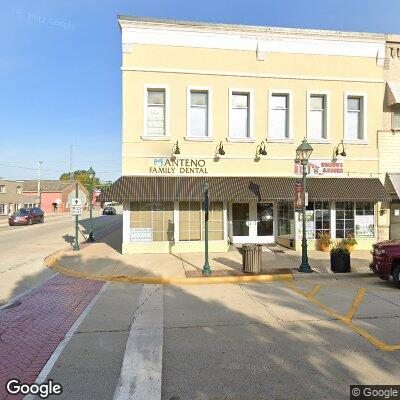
(252, 223)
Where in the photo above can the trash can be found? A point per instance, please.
(251, 254)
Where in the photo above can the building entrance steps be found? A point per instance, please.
(102, 260)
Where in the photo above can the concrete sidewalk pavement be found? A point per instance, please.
(103, 260)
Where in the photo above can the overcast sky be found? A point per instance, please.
(60, 69)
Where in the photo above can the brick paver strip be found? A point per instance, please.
(32, 328)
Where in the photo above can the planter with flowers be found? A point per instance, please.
(340, 259)
(349, 242)
(324, 242)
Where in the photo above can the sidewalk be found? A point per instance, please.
(102, 260)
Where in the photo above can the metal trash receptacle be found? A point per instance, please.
(251, 255)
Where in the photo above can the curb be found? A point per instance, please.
(52, 262)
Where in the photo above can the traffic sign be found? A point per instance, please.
(76, 201)
(75, 210)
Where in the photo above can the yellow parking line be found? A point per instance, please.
(356, 303)
(313, 291)
(346, 321)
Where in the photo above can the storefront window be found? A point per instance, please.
(344, 219)
(192, 217)
(157, 216)
(322, 212)
(215, 221)
(285, 219)
(189, 221)
(365, 220)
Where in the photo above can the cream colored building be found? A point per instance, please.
(389, 138)
(225, 95)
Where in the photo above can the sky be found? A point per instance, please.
(60, 77)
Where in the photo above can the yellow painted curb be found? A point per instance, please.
(52, 262)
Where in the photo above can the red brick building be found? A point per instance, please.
(55, 196)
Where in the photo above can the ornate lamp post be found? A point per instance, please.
(91, 177)
(303, 153)
(206, 267)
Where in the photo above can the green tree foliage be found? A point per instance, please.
(81, 176)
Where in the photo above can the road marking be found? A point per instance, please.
(314, 291)
(59, 349)
(140, 377)
(356, 303)
(349, 323)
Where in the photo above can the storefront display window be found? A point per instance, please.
(344, 219)
(192, 217)
(285, 219)
(152, 221)
(322, 213)
(365, 220)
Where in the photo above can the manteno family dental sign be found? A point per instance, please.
(178, 166)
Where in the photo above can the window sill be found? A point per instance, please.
(319, 141)
(355, 141)
(199, 139)
(240, 140)
(148, 137)
(272, 140)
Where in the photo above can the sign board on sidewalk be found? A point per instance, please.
(75, 210)
(141, 234)
(77, 201)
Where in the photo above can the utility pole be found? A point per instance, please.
(39, 164)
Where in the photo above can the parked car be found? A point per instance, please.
(109, 211)
(26, 216)
(386, 260)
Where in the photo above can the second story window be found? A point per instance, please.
(355, 114)
(396, 117)
(198, 114)
(239, 119)
(317, 113)
(2, 188)
(156, 112)
(278, 116)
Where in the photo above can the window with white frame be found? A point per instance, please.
(317, 124)
(354, 118)
(199, 113)
(344, 219)
(3, 209)
(2, 188)
(156, 115)
(279, 116)
(396, 117)
(240, 115)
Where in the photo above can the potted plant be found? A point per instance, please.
(324, 242)
(340, 259)
(350, 242)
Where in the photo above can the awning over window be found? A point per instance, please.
(393, 93)
(184, 188)
(394, 185)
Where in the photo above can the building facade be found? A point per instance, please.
(11, 197)
(389, 139)
(228, 105)
(55, 196)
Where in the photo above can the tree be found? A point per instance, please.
(81, 176)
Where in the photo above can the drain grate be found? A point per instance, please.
(12, 305)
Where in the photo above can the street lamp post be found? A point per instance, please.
(91, 177)
(303, 153)
(206, 268)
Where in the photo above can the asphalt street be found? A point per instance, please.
(23, 248)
